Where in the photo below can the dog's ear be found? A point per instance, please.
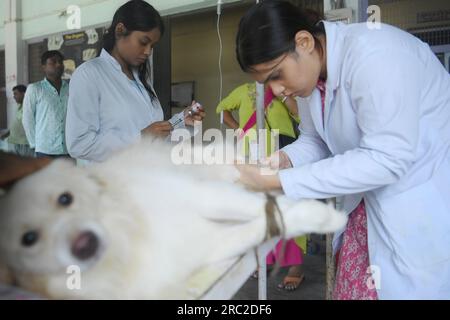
(13, 168)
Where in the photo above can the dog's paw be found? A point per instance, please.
(311, 216)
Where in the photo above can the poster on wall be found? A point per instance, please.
(77, 47)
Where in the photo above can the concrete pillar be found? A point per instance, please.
(14, 53)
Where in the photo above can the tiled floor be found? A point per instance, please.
(313, 286)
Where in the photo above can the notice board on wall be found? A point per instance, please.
(77, 47)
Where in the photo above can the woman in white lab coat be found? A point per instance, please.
(375, 134)
(111, 101)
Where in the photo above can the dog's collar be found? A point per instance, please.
(273, 227)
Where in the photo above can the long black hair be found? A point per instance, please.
(268, 30)
(136, 15)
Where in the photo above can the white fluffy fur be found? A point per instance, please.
(159, 224)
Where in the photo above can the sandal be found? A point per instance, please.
(291, 283)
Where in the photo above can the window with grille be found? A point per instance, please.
(434, 36)
(430, 22)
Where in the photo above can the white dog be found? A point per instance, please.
(138, 226)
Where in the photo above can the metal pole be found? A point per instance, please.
(260, 125)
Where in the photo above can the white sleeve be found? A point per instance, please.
(387, 113)
(85, 137)
(29, 115)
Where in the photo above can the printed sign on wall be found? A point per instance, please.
(76, 47)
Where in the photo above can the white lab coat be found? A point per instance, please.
(106, 110)
(386, 138)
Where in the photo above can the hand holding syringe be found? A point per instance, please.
(194, 112)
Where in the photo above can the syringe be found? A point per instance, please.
(179, 117)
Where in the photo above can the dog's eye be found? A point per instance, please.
(30, 238)
(65, 199)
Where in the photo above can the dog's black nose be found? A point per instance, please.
(85, 245)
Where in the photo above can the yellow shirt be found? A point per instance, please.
(17, 133)
(243, 98)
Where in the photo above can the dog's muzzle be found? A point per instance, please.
(79, 242)
(85, 246)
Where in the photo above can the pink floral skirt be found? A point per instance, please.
(352, 276)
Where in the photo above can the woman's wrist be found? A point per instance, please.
(275, 182)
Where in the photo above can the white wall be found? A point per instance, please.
(42, 17)
(2, 23)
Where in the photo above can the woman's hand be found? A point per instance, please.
(252, 177)
(229, 120)
(158, 129)
(190, 117)
(279, 160)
